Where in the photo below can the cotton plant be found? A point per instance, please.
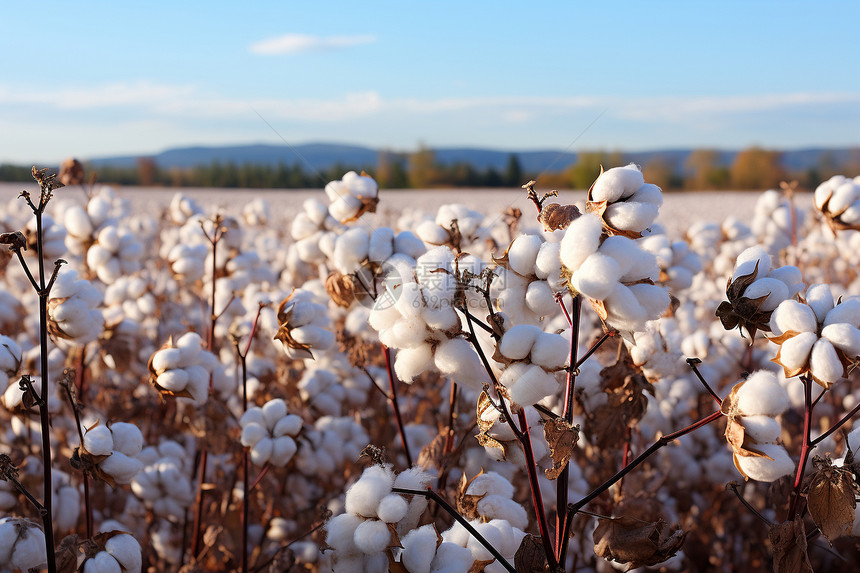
(164, 485)
(330, 443)
(755, 289)
(656, 350)
(83, 222)
(495, 499)
(678, 263)
(352, 196)
(110, 451)
(73, 309)
(115, 253)
(838, 200)
(308, 229)
(182, 208)
(531, 357)
(623, 201)
(303, 325)
(269, 432)
(529, 276)
(776, 221)
(816, 335)
(181, 368)
(22, 545)
(361, 536)
(455, 225)
(753, 429)
(112, 552)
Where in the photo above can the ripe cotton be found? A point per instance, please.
(617, 183)
(777, 463)
(22, 544)
(269, 433)
(581, 239)
(365, 495)
(596, 277)
(419, 548)
(523, 253)
(762, 394)
(528, 383)
(372, 536)
(456, 358)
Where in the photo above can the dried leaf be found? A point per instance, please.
(433, 454)
(467, 504)
(635, 542)
(67, 554)
(340, 288)
(478, 566)
(530, 556)
(555, 216)
(624, 384)
(789, 547)
(561, 437)
(831, 498)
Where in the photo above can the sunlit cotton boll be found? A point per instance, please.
(457, 359)
(121, 554)
(761, 394)
(182, 367)
(365, 495)
(351, 196)
(269, 432)
(777, 463)
(73, 312)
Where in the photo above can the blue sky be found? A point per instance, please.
(92, 79)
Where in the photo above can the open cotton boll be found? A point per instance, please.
(764, 469)
(419, 548)
(364, 496)
(550, 350)
(410, 300)
(372, 536)
(653, 298)
(634, 217)
(409, 333)
(340, 532)
(127, 438)
(623, 304)
(762, 429)
(98, 441)
(121, 467)
(617, 183)
(540, 298)
(441, 318)
(547, 262)
(126, 550)
(847, 311)
(408, 243)
(431, 233)
(820, 299)
(392, 508)
(532, 386)
(456, 358)
(452, 558)
(410, 362)
(747, 260)
(792, 315)
(648, 193)
(523, 253)
(496, 506)
(596, 277)
(774, 290)
(381, 244)
(761, 394)
(517, 342)
(581, 239)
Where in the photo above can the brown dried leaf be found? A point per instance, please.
(624, 384)
(789, 547)
(467, 504)
(340, 288)
(67, 554)
(478, 566)
(635, 542)
(433, 454)
(561, 437)
(530, 556)
(831, 498)
(555, 216)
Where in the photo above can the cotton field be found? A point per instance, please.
(558, 387)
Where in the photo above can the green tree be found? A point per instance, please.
(421, 168)
(756, 168)
(513, 172)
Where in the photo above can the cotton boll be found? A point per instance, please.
(550, 351)
(617, 183)
(634, 217)
(127, 438)
(121, 467)
(372, 536)
(409, 333)
(288, 425)
(623, 304)
(540, 298)
(381, 244)
(419, 548)
(441, 318)
(392, 508)
(762, 429)
(623, 250)
(283, 450)
(792, 315)
(596, 277)
(648, 193)
(748, 259)
(456, 358)
(532, 386)
(547, 262)
(820, 299)
(126, 550)
(794, 352)
(653, 298)
(774, 290)
(847, 311)
(274, 410)
(581, 239)
(252, 433)
(824, 363)
(364, 496)
(523, 252)
(340, 532)
(517, 342)
(844, 337)
(764, 469)
(98, 441)
(410, 362)
(262, 451)
(761, 394)
(496, 506)
(409, 244)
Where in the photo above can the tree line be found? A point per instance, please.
(703, 169)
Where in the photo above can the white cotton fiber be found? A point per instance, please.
(381, 244)
(408, 243)
(262, 451)
(410, 362)
(419, 548)
(494, 535)
(550, 351)
(409, 332)
(457, 359)
(532, 386)
(127, 438)
(411, 300)
(653, 298)
(372, 536)
(442, 318)
(788, 274)
(622, 303)
(844, 337)
(392, 508)
(523, 252)
(791, 315)
(581, 239)
(126, 550)
(644, 267)
(623, 250)
(283, 450)
(634, 217)
(547, 262)
(98, 441)
(273, 411)
(517, 342)
(496, 506)
(340, 532)
(824, 363)
(382, 317)
(794, 352)
(431, 233)
(253, 433)
(848, 311)
(617, 183)
(540, 298)
(762, 429)
(596, 276)
(775, 291)
(761, 394)
(747, 260)
(288, 425)
(648, 193)
(764, 469)
(364, 496)
(820, 299)
(121, 467)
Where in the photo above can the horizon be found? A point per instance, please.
(121, 80)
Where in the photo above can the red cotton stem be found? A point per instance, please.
(395, 405)
(534, 485)
(805, 448)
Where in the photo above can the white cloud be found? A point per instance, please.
(299, 43)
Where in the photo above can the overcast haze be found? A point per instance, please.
(94, 79)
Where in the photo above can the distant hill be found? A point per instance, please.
(324, 155)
